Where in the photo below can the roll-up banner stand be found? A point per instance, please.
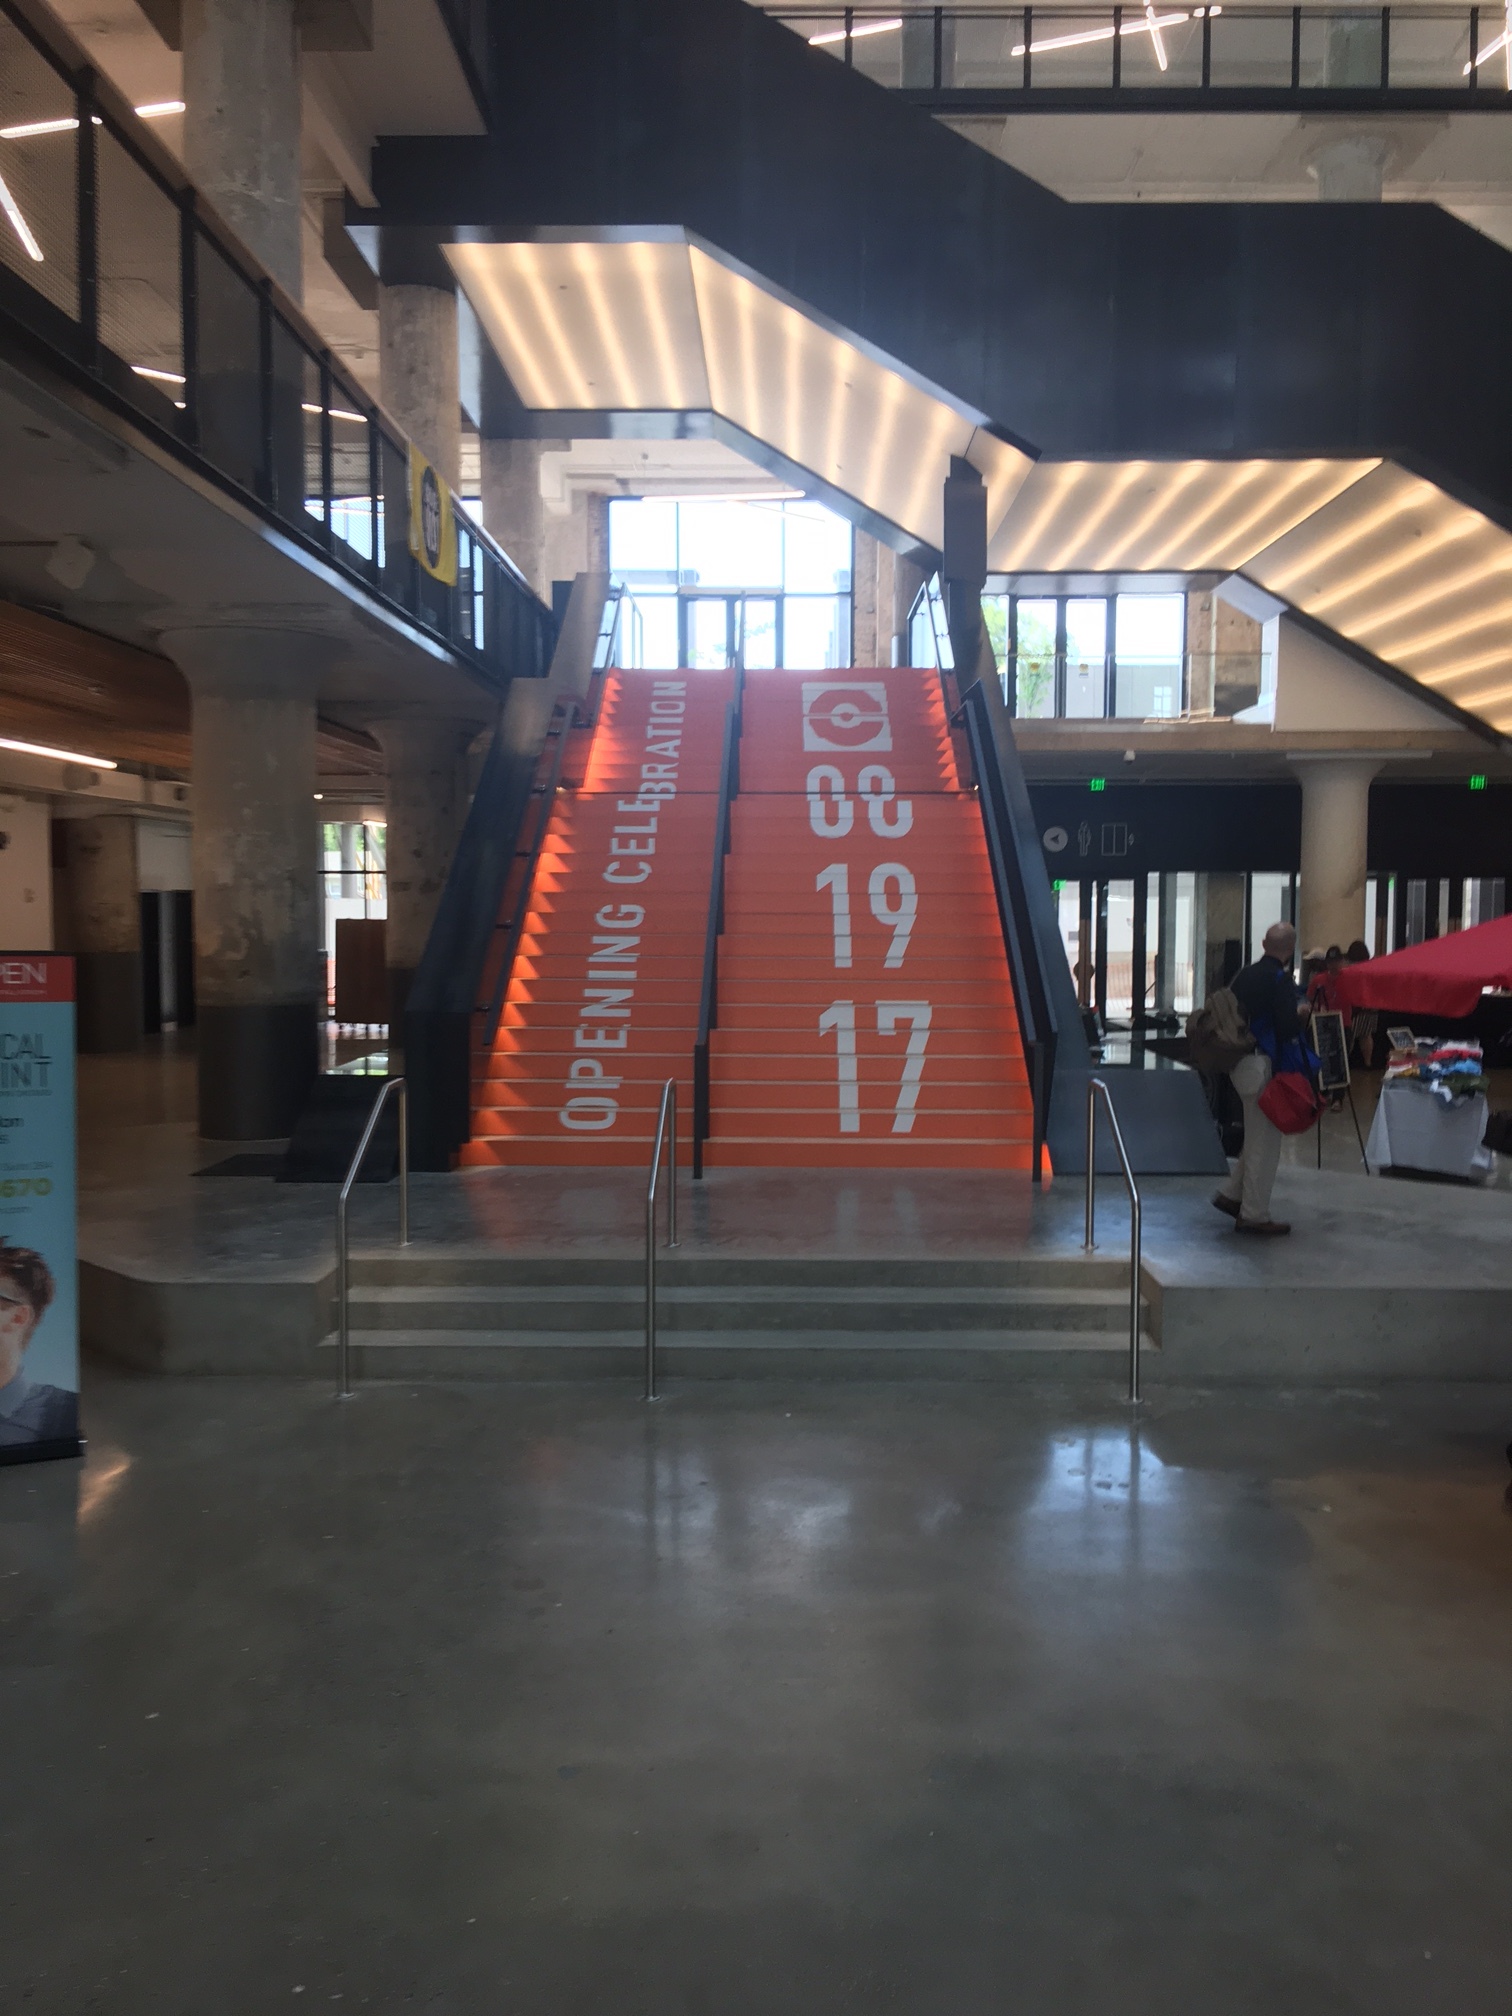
(39, 1288)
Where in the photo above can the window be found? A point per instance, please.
(713, 582)
(1089, 657)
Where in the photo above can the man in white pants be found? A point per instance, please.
(1268, 995)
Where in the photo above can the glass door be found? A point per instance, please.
(708, 627)
(758, 632)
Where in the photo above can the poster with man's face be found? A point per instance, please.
(39, 1316)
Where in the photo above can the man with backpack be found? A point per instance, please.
(1274, 1010)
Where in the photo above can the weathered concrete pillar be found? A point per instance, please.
(259, 966)
(1352, 168)
(418, 373)
(242, 123)
(514, 510)
(105, 930)
(908, 578)
(873, 574)
(426, 803)
(1335, 833)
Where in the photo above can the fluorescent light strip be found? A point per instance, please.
(833, 35)
(1151, 25)
(337, 412)
(57, 755)
(19, 224)
(165, 108)
(159, 377)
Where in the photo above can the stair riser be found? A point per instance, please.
(441, 1318)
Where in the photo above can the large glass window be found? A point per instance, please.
(1149, 646)
(1086, 657)
(713, 582)
(1034, 647)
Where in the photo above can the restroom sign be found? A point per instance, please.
(39, 1300)
(432, 527)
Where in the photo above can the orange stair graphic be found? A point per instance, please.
(866, 1016)
(602, 1004)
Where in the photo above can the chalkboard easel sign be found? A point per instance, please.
(1332, 1046)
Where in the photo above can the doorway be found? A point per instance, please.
(720, 632)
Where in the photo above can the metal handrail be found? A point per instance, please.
(1094, 1087)
(343, 1286)
(569, 718)
(663, 1131)
(1031, 999)
(708, 1001)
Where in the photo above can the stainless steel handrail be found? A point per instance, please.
(343, 1286)
(1094, 1086)
(668, 1108)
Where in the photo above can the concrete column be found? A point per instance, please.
(105, 912)
(426, 803)
(1335, 827)
(514, 510)
(242, 123)
(1352, 169)
(418, 372)
(577, 543)
(259, 964)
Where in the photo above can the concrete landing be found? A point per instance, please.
(535, 1273)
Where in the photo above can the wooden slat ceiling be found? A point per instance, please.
(72, 689)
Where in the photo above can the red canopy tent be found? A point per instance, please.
(1442, 976)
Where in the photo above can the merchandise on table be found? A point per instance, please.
(1449, 1071)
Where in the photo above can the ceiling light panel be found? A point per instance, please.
(1152, 517)
(1415, 577)
(831, 407)
(590, 326)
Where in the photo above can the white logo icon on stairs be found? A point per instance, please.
(845, 714)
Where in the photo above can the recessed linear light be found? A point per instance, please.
(832, 35)
(160, 377)
(19, 224)
(57, 755)
(164, 108)
(337, 413)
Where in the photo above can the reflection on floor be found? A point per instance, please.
(905, 1698)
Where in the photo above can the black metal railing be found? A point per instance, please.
(987, 57)
(457, 995)
(708, 1000)
(1031, 995)
(115, 267)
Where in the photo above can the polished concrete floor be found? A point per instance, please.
(539, 1702)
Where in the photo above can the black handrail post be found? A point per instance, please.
(1207, 48)
(1296, 81)
(1028, 42)
(375, 501)
(189, 315)
(1385, 48)
(327, 451)
(939, 48)
(265, 390)
(1474, 78)
(1118, 46)
(708, 1007)
(88, 221)
(850, 15)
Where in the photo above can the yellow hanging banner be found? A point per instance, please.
(432, 528)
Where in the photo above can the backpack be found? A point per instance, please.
(1218, 1033)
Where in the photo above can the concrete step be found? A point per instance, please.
(580, 1309)
(417, 1267)
(732, 1354)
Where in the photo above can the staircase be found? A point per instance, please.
(865, 1011)
(450, 1315)
(602, 1004)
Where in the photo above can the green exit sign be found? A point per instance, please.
(1101, 783)
(1477, 783)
